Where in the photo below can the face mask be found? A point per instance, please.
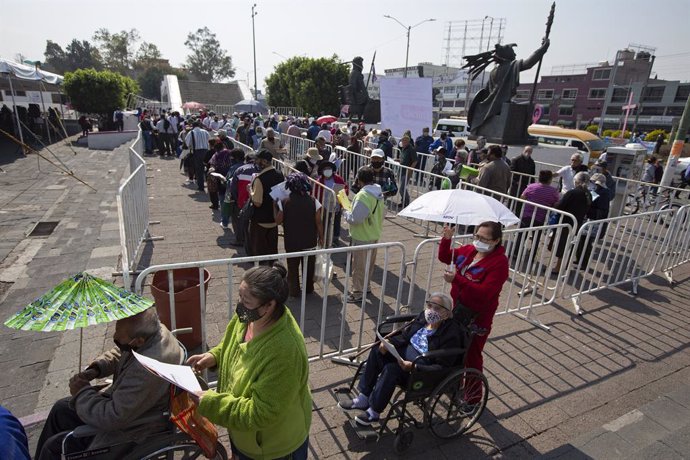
(432, 316)
(246, 315)
(124, 347)
(327, 172)
(376, 165)
(480, 246)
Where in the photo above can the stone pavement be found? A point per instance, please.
(557, 393)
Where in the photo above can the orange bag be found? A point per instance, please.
(185, 415)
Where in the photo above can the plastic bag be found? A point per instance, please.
(323, 269)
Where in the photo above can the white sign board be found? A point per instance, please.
(406, 104)
(34, 97)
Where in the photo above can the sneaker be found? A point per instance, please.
(468, 409)
(225, 227)
(353, 298)
(359, 402)
(367, 418)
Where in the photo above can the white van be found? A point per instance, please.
(455, 126)
(589, 145)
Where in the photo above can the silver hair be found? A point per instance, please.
(581, 179)
(446, 301)
(144, 324)
(576, 155)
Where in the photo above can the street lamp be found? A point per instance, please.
(280, 55)
(254, 13)
(408, 28)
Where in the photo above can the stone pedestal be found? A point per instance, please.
(508, 127)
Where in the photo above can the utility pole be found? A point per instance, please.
(408, 29)
(254, 13)
(677, 146)
(407, 53)
(644, 87)
(609, 94)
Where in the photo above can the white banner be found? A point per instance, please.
(406, 104)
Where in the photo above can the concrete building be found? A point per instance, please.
(220, 97)
(580, 97)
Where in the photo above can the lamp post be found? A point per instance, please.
(408, 28)
(254, 13)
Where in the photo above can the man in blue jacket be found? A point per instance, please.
(443, 141)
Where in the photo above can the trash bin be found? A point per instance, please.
(187, 304)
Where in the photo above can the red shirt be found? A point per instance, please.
(480, 286)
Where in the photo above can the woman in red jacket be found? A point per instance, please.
(481, 268)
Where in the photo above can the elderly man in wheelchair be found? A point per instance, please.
(430, 375)
(125, 412)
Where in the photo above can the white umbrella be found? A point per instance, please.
(462, 207)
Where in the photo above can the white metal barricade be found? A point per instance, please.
(133, 210)
(325, 195)
(614, 251)
(341, 326)
(244, 147)
(296, 146)
(678, 248)
(534, 276)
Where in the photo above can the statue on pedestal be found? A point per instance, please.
(356, 96)
(492, 114)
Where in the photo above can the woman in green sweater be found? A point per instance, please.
(263, 396)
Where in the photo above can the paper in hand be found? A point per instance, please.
(279, 192)
(181, 376)
(344, 200)
(389, 346)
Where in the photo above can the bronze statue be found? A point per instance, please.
(355, 94)
(503, 81)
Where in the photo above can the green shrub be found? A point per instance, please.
(651, 136)
(592, 129)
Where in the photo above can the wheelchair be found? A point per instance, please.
(450, 400)
(169, 444)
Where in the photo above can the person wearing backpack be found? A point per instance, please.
(119, 119)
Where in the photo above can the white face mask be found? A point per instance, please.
(480, 246)
(327, 172)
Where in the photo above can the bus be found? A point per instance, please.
(589, 144)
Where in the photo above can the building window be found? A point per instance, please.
(569, 93)
(565, 110)
(674, 111)
(597, 93)
(522, 94)
(614, 111)
(545, 110)
(652, 110)
(601, 74)
(545, 94)
(682, 93)
(619, 95)
(8, 93)
(653, 94)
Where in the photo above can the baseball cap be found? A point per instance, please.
(378, 153)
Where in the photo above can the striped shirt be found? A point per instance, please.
(541, 194)
(201, 139)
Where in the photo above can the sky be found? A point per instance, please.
(583, 31)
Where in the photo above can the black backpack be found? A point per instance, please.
(166, 124)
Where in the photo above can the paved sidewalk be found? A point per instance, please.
(558, 393)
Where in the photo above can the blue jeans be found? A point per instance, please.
(381, 374)
(299, 454)
(148, 141)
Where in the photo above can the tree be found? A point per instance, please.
(146, 56)
(207, 61)
(150, 80)
(308, 83)
(100, 92)
(78, 55)
(55, 59)
(117, 49)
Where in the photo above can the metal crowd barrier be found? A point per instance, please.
(678, 248)
(295, 111)
(244, 147)
(610, 252)
(308, 316)
(133, 209)
(325, 195)
(296, 146)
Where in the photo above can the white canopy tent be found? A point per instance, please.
(27, 72)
